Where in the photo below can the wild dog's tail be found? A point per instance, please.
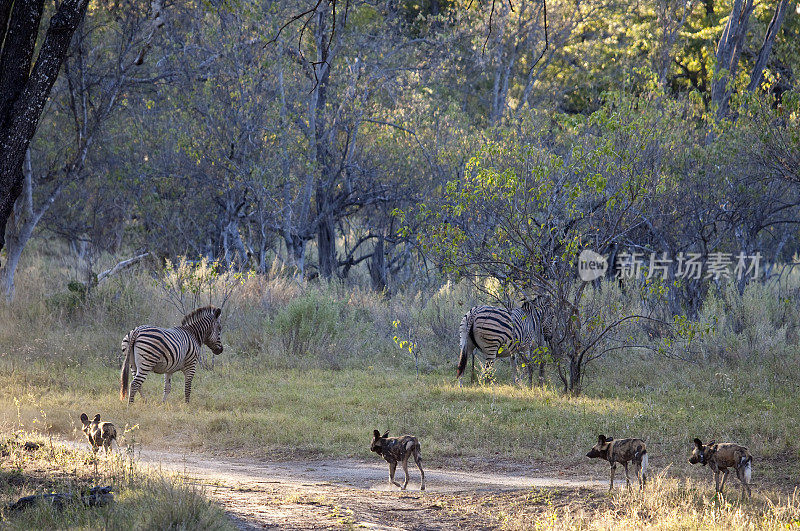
(130, 339)
(747, 463)
(644, 461)
(465, 331)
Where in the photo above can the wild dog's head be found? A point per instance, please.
(377, 441)
(89, 426)
(601, 448)
(701, 453)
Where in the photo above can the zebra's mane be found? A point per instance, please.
(196, 315)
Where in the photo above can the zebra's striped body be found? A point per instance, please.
(500, 333)
(167, 350)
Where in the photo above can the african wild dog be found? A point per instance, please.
(395, 449)
(98, 433)
(621, 451)
(721, 456)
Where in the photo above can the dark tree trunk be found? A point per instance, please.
(23, 96)
(377, 266)
(326, 245)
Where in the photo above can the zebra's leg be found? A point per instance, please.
(541, 372)
(472, 380)
(136, 384)
(188, 373)
(514, 367)
(167, 385)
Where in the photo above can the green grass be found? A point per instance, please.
(281, 391)
(249, 410)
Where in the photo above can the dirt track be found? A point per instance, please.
(332, 493)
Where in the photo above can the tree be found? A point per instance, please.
(729, 51)
(103, 56)
(524, 211)
(24, 89)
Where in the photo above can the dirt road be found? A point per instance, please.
(314, 494)
(331, 493)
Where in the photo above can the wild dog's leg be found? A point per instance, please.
(724, 477)
(392, 468)
(613, 469)
(637, 467)
(405, 471)
(167, 385)
(627, 478)
(418, 460)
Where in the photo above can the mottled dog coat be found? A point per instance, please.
(98, 433)
(720, 457)
(398, 449)
(622, 451)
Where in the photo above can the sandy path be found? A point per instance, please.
(331, 493)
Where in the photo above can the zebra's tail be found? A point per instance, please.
(126, 366)
(465, 332)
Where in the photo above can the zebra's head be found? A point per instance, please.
(541, 307)
(205, 323)
(213, 339)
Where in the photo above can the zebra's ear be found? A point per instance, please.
(217, 312)
(84, 418)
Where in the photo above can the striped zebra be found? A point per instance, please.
(168, 350)
(500, 333)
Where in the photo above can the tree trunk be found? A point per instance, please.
(326, 246)
(377, 266)
(729, 50)
(23, 95)
(21, 225)
(575, 376)
(769, 39)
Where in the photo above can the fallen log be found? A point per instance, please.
(94, 497)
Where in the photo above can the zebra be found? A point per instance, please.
(168, 350)
(500, 333)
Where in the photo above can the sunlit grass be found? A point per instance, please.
(282, 412)
(143, 499)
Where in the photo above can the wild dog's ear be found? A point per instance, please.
(376, 434)
(84, 418)
(97, 418)
(601, 439)
(217, 312)
(698, 443)
(386, 434)
(712, 443)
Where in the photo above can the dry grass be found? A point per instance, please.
(282, 389)
(142, 499)
(667, 504)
